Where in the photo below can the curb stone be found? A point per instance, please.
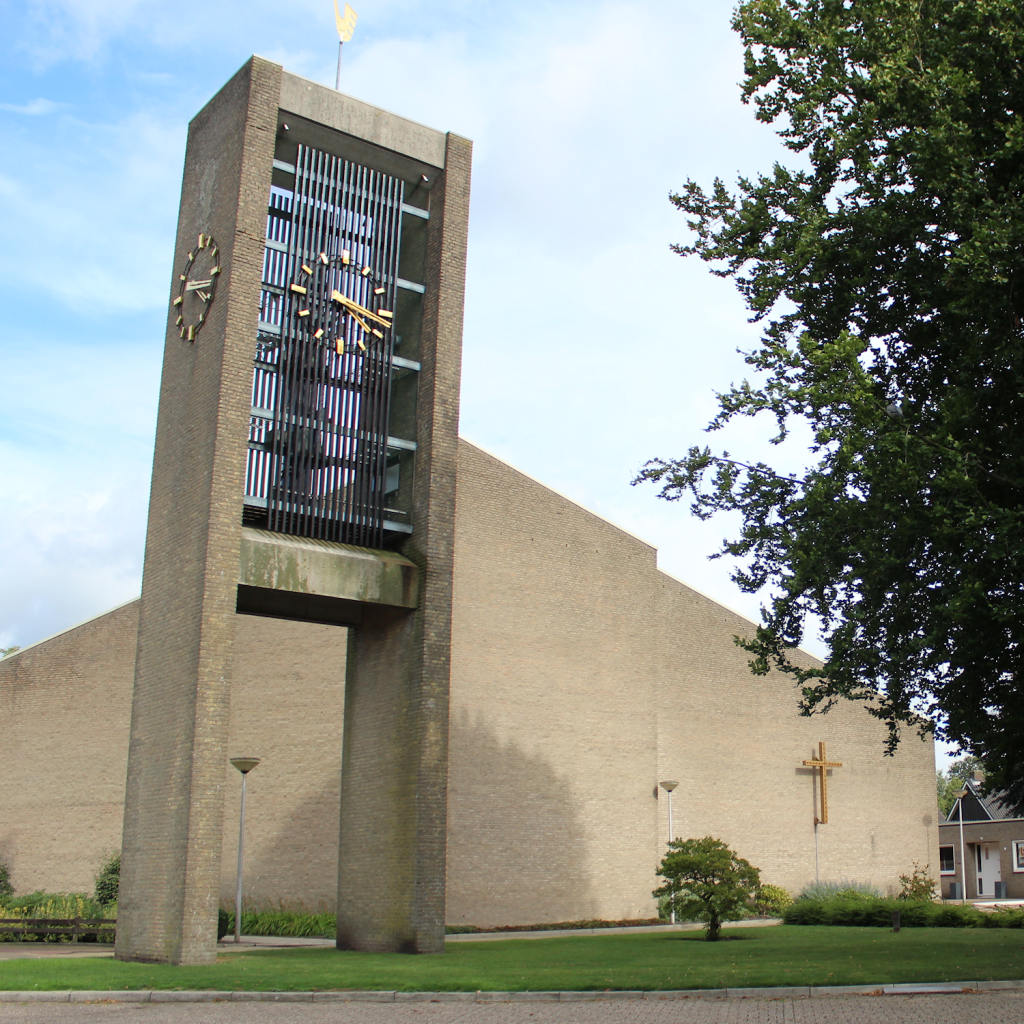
(112, 996)
(355, 997)
(190, 996)
(373, 996)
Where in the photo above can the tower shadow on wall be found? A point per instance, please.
(517, 844)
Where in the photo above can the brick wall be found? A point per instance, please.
(65, 706)
(581, 677)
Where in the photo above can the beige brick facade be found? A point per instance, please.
(581, 676)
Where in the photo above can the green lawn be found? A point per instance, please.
(666, 960)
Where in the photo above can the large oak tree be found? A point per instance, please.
(887, 268)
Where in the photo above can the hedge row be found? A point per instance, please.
(877, 913)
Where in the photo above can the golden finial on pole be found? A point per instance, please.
(346, 26)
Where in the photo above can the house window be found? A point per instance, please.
(947, 864)
(1018, 855)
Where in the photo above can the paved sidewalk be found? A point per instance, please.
(986, 1008)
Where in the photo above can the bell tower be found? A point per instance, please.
(305, 468)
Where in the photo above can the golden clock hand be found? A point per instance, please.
(354, 308)
(194, 286)
(359, 320)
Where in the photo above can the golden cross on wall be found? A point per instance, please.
(823, 764)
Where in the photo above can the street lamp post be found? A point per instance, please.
(668, 787)
(960, 794)
(244, 765)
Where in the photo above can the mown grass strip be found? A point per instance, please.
(747, 957)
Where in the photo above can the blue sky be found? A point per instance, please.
(584, 117)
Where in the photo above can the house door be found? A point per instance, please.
(986, 857)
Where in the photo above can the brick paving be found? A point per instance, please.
(1005, 1007)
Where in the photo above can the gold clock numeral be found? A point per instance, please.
(319, 333)
(359, 342)
(177, 322)
(191, 332)
(214, 271)
(366, 271)
(345, 257)
(298, 288)
(177, 301)
(379, 291)
(303, 312)
(377, 334)
(323, 258)
(385, 312)
(202, 241)
(339, 346)
(308, 270)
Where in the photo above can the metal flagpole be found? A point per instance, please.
(346, 26)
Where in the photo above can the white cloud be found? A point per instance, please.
(34, 108)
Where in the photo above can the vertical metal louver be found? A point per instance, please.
(321, 388)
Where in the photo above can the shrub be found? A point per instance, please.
(53, 905)
(108, 879)
(293, 919)
(6, 888)
(771, 900)
(844, 890)
(918, 885)
(223, 923)
(707, 882)
(877, 912)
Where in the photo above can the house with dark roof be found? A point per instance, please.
(981, 847)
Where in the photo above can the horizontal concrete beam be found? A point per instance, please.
(319, 580)
(343, 113)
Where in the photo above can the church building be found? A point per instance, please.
(470, 697)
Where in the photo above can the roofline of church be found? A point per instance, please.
(564, 497)
(70, 629)
(521, 472)
(628, 533)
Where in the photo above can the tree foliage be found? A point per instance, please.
(707, 882)
(888, 271)
(108, 880)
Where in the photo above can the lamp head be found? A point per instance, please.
(245, 764)
(669, 786)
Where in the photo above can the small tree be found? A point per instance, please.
(707, 882)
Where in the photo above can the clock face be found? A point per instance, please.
(197, 285)
(338, 303)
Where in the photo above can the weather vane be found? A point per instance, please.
(346, 26)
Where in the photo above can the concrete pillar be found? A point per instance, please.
(170, 874)
(394, 780)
